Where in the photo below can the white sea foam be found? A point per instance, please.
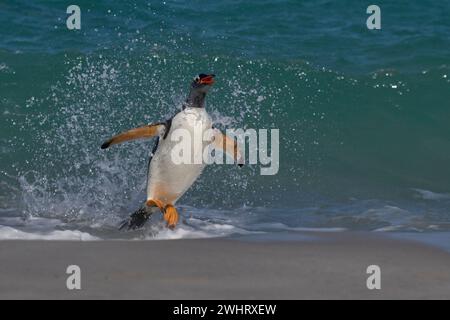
(9, 233)
(15, 228)
(430, 195)
(194, 228)
(53, 229)
(319, 229)
(180, 232)
(278, 226)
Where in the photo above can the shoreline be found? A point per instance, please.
(321, 266)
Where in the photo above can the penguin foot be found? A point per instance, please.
(155, 203)
(171, 216)
(136, 220)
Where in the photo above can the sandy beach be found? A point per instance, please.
(323, 266)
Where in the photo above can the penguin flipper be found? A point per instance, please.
(147, 131)
(227, 145)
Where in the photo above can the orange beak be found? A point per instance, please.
(209, 80)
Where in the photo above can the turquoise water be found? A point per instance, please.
(363, 114)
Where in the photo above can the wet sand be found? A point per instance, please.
(322, 266)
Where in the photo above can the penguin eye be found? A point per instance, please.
(197, 79)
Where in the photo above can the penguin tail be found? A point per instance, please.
(137, 219)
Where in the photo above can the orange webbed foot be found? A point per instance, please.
(171, 216)
(155, 203)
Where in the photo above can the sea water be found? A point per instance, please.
(363, 115)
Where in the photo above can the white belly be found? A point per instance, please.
(168, 179)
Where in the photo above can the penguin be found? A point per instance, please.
(168, 180)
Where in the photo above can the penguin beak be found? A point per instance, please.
(209, 79)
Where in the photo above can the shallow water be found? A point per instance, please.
(363, 115)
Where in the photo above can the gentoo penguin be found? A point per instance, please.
(168, 180)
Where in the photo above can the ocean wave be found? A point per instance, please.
(9, 233)
(361, 123)
(430, 195)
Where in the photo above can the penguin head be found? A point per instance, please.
(203, 82)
